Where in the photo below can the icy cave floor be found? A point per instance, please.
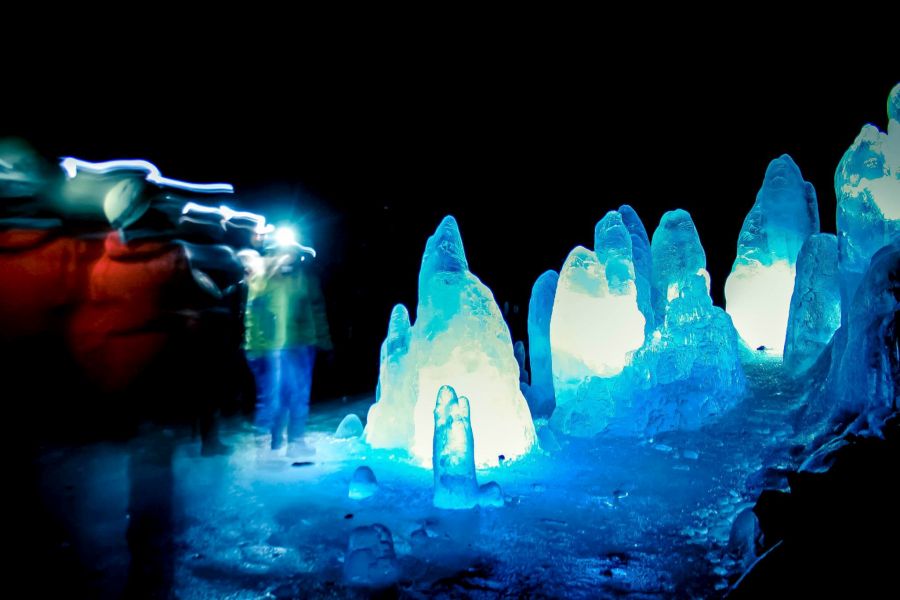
(606, 517)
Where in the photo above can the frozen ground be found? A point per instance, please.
(603, 518)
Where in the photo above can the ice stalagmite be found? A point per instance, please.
(459, 338)
(540, 392)
(595, 327)
(453, 457)
(455, 485)
(389, 423)
(867, 377)
(643, 262)
(758, 290)
(694, 356)
(867, 186)
(815, 303)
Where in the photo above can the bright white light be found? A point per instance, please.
(606, 332)
(758, 298)
(227, 214)
(72, 165)
(285, 236)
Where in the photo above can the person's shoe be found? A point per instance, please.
(277, 443)
(300, 449)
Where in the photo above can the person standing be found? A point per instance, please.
(286, 326)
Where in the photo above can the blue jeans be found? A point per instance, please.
(283, 383)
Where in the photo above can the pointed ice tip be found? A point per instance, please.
(783, 172)
(446, 400)
(444, 252)
(893, 103)
(399, 318)
(399, 311)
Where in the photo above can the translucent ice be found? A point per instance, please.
(867, 186)
(595, 324)
(758, 290)
(866, 379)
(815, 303)
(350, 427)
(540, 392)
(693, 358)
(677, 255)
(643, 262)
(363, 484)
(453, 459)
(490, 494)
(519, 353)
(389, 423)
(459, 338)
(370, 560)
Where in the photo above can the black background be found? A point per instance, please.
(366, 148)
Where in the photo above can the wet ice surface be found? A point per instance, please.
(595, 518)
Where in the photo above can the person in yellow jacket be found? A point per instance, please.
(286, 325)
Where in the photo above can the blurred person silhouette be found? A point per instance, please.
(286, 325)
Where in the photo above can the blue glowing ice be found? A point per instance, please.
(540, 393)
(459, 339)
(866, 377)
(363, 484)
(694, 358)
(815, 303)
(350, 427)
(643, 262)
(867, 186)
(519, 353)
(389, 423)
(677, 255)
(453, 459)
(758, 290)
(371, 560)
(595, 328)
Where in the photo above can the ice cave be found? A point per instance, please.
(623, 417)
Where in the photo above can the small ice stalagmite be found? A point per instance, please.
(758, 290)
(363, 484)
(349, 427)
(540, 393)
(455, 485)
(453, 458)
(389, 423)
(643, 263)
(371, 560)
(815, 304)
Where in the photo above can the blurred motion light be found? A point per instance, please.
(72, 165)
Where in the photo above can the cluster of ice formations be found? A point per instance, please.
(815, 312)
(459, 339)
(453, 458)
(859, 371)
(758, 290)
(637, 345)
(371, 560)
